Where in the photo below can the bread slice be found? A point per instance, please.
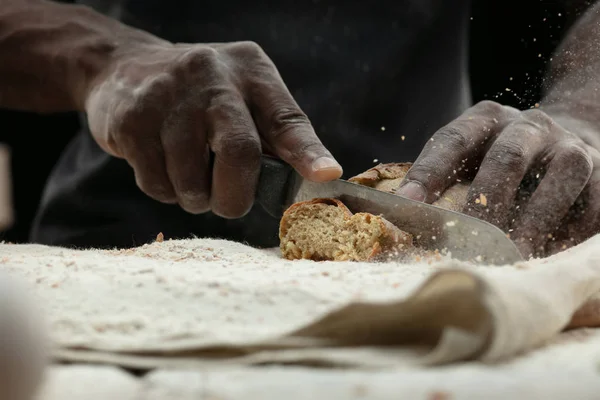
(325, 229)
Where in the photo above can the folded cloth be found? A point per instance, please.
(206, 302)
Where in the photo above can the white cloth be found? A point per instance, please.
(220, 305)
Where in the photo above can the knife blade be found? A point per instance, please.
(463, 237)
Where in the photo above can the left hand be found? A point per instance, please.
(530, 176)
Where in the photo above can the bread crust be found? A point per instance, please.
(391, 238)
(393, 241)
(388, 178)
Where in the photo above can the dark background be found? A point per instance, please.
(508, 37)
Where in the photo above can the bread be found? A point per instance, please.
(325, 229)
(388, 177)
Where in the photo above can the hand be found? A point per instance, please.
(530, 176)
(164, 108)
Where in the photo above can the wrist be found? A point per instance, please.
(52, 53)
(101, 53)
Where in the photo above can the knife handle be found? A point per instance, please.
(274, 185)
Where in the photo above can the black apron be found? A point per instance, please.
(376, 79)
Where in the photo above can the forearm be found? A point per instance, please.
(572, 95)
(50, 53)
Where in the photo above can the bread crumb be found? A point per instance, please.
(483, 199)
(360, 390)
(160, 237)
(439, 395)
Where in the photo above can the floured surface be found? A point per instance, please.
(220, 306)
(567, 368)
(207, 289)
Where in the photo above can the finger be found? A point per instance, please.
(452, 149)
(567, 175)
(135, 132)
(147, 160)
(148, 164)
(184, 140)
(234, 140)
(493, 191)
(582, 221)
(136, 137)
(283, 125)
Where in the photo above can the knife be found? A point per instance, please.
(465, 238)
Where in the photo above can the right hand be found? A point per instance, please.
(163, 108)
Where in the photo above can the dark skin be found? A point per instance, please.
(500, 147)
(158, 105)
(163, 106)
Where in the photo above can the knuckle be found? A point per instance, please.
(246, 49)
(251, 48)
(252, 61)
(223, 102)
(227, 111)
(527, 128)
(216, 98)
(537, 116)
(239, 149)
(454, 136)
(577, 158)
(491, 109)
(508, 154)
(313, 148)
(489, 106)
(538, 120)
(284, 119)
(199, 58)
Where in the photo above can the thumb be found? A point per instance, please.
(318, 167)
(298, 145)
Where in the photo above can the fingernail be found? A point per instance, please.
(325, 163)
(412, 190)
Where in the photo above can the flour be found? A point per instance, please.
(172, 303)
